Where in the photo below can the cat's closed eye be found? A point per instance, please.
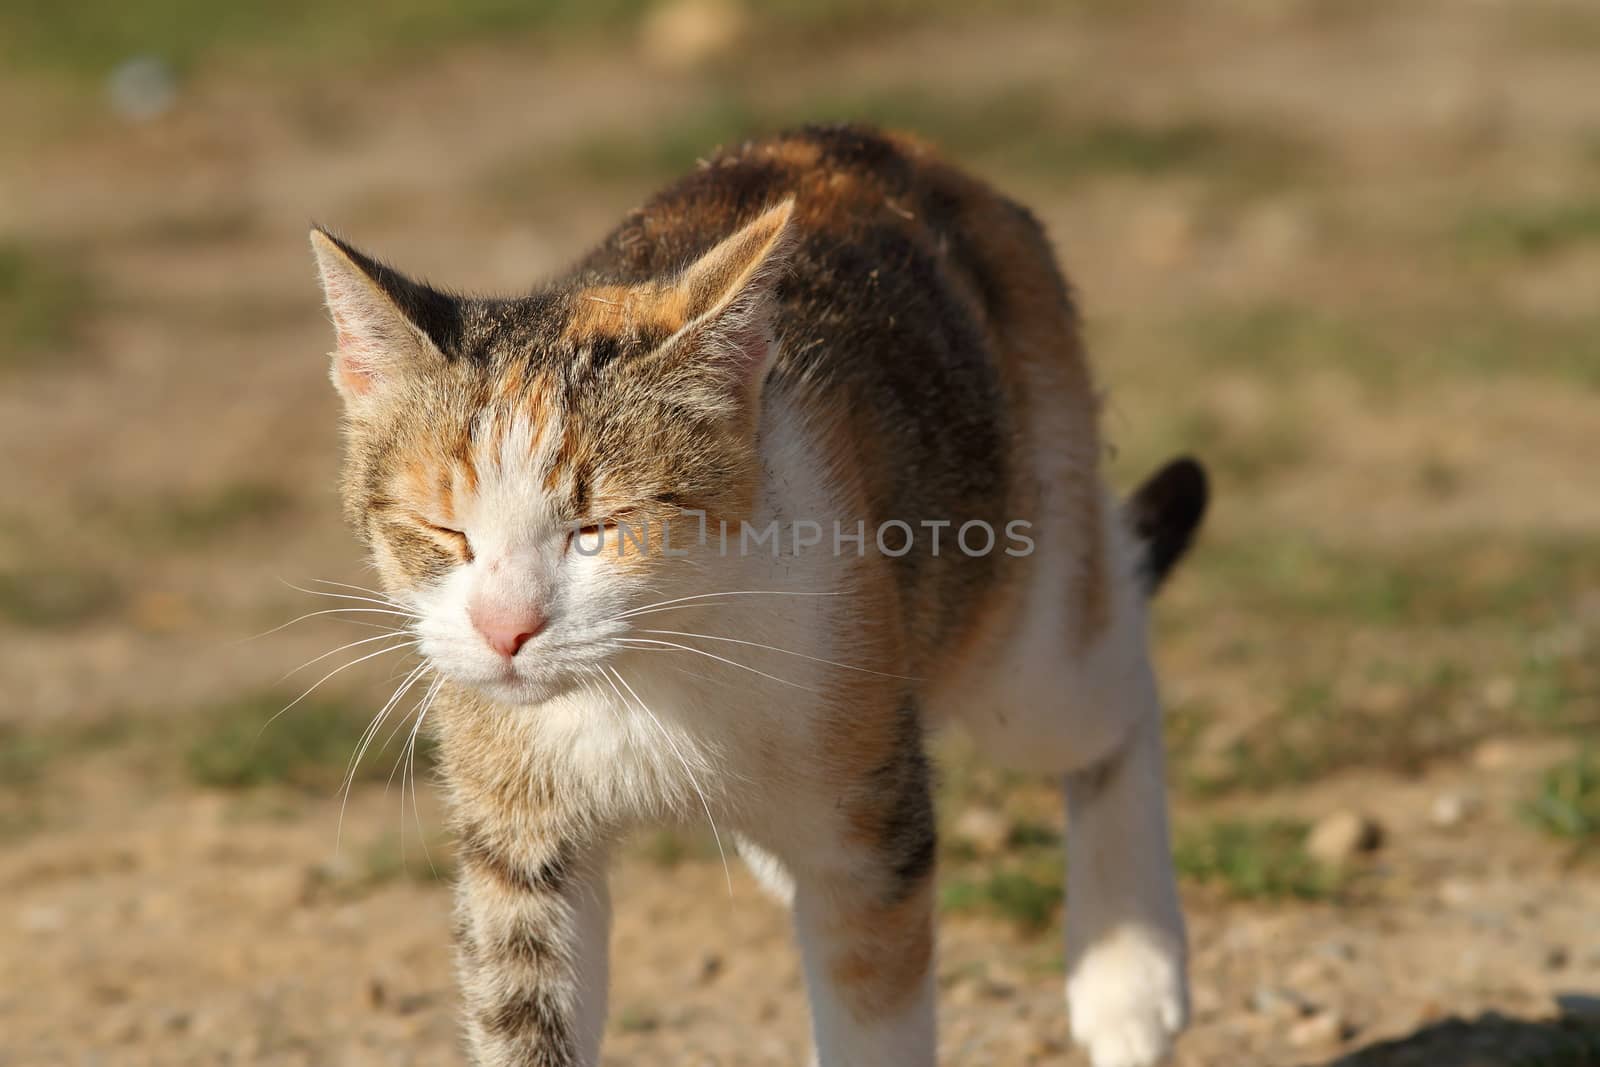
(589, 538)
(455, 538)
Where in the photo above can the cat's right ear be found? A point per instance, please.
(386, 326)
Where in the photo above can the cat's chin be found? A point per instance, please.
(522, 692)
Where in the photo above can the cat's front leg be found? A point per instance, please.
(532, 927)
(863, 910)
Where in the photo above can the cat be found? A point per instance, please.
(799, 464)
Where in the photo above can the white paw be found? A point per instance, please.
(1128, 996)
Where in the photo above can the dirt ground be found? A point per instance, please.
(1347, 253)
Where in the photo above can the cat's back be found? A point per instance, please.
(923, 318)
(914, 289)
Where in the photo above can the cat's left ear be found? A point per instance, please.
(729, 297)
(388, 327)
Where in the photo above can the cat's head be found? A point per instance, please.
(497, 450)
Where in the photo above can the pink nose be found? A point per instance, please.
(506, 632)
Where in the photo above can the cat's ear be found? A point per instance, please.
(728, 295)
(386, 326)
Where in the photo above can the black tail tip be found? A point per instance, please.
(1164, 512)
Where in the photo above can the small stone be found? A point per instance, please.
(997, 989)
(412, 1003)
(1493, 755)
(1308, 971)
(985, 829)
(686, 34)
(1338, 838)
(1044, 1047)
(1499, 693)
(1452, 808)
(1343, 951)
(1163, 234)
(1278, 1002)
(1324, 1029)
(142, 88)
(42, 919)
(1205, 1002)
(1556, 958)
(339, 874)
(709, 969)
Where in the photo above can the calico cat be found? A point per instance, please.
(799, 464)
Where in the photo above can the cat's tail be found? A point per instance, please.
(1164, 513)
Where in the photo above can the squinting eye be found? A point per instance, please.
(458, 536)
(590, 539)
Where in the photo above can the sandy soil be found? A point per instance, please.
(148, 918)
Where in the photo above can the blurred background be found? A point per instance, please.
(1346, 251)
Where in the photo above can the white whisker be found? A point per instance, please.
(366, 740)
(785, 651)
(380, 601)
(706, 596)
(327, 611)
(667, 737)
(669, 645)
(411, 767)
(346, 585)
(325, 677)
(388, 634)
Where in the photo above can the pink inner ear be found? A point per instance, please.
(354, 376)
(353, 358)
(356, 355)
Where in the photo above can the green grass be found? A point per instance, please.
(395, 857)
(1392, 352)
(1253, 860)
(1243, 453)
(190, 519)
(389, 859)
(1488, 342)
(307, 747)
(1278, 339)
(1027, 834)
(50, 597)
(1566, 801)
(1530, 230)
(1023, 883)
(668, 848)
(1434, 581)
(42, 299)
(637, 1019)
(1028, 898)
(27, 757)
(197, 226)
(1319, 729)
(89, 37)
(1244, 859)
(1021, 129)
(93, 35)
(1380, 657)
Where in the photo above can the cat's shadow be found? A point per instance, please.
(1569, 1040)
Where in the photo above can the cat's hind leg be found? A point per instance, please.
(1125, 942)
(1085, 707)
